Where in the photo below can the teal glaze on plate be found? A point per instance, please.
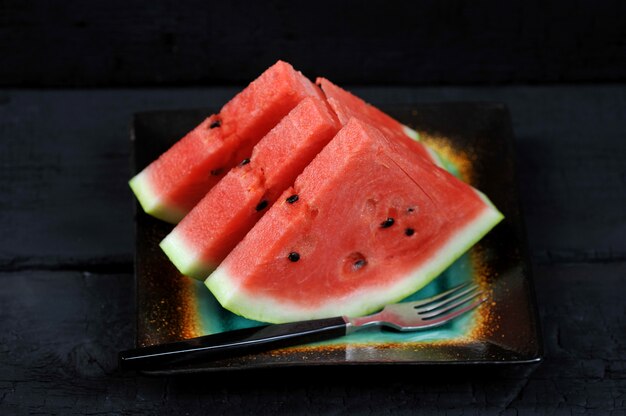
(212, 318)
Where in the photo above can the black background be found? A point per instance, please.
(137, 43)
(73, 73)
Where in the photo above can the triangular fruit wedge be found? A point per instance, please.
(371, 225)
(223, 217)
(170, 186)
(347, 105)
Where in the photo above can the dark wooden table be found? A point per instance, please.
(66, 263)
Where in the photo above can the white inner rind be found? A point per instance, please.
(411, 133)
(266, 309)
(435, 158)
(150, 202)
(182, 255)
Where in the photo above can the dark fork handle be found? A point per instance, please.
(230, 343)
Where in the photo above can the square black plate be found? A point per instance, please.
(478, 138)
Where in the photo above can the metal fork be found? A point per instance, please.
(407, 316)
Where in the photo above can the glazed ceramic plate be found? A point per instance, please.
(477, 141)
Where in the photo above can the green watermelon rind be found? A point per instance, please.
(254, 306)
(184, 258)
(150, 202)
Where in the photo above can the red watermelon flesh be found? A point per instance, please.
(224, 216)
(171, 186)
(347, 106)
(372, 224)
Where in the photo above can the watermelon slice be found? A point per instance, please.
(372, 224)
(224, 216)
(347, 106)
(170, 186)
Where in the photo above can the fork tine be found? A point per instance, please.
(446, 318)
(427, 301)
(449, 306)
(435, 305)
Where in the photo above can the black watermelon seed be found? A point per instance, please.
(387, 223)
(354, 262)
(359, 264)
(409, 232)
(261, 205)
(293, 198)
(410, 209)
(244, 162)
(216, 172)
(215, 124)
(293, 256)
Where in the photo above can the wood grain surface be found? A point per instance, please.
(67, 293)
(191, 42)
(61, 332)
